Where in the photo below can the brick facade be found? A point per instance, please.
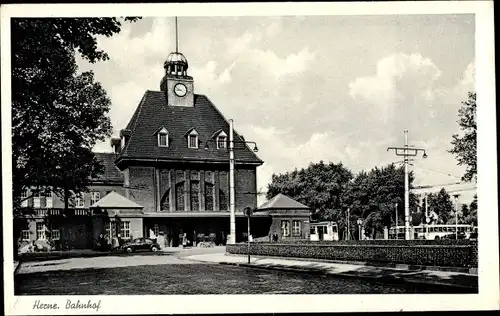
(153, 186)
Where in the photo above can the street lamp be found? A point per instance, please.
(456, 196)
(232, 219)
(248, 213)
(360, 222)
(407, 152)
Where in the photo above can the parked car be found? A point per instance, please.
(138, 244)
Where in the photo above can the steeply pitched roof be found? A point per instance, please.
(282, 202)
(153, 113)
(111, 172)
(115, 200)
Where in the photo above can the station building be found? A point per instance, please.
(167, 175)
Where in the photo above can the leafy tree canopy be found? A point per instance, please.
(332, 189)
(319, 186)
(470, 216)
(57, 114)
(465, 145)
(373, 196)
(442, 205)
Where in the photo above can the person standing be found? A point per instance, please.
(116, 243)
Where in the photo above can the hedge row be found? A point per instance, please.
(389, 242)
(443, 255)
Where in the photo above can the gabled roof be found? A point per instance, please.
(111, 172)
(161, 130)
(282, 202)
(153, 113)
(115, 200)
(220, 132)
(191, 131)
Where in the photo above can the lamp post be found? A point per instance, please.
(348, 225)
(397, 229)
(427, 219)
(360, 222)
(248, 213)
(456, 214)
(232, 216)
(407, 152)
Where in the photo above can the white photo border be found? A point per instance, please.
(151, 304)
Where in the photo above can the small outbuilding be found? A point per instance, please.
(290, 219)
(117, 216)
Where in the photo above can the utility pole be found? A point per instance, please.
(348, 233)
(232, 212)
(407, 152)
(397, 229)
(232, 220)
(426, 217)
(456, 214)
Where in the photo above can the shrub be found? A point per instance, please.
(451, 253)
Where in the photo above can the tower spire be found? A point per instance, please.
(176, 37)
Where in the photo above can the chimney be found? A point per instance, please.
(116, 145)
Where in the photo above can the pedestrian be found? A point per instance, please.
(102, 242)
(116, 243)
(184, 240)
(107, 242)
(275, 237)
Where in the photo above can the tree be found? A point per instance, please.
(465, 145)
(319, 186)
(442, 205)
(470, 216)
(57, 114)
(373, 195)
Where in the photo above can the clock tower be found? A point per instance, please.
(177, 85)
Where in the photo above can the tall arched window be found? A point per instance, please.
(195, 199)
(209, 196)
(165, 201)
(223, 201)
(179, 196)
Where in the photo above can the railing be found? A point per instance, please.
(49, 212)
(81, 212)
(57, 212)
(193, 211)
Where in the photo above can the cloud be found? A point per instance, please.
(469, 76)
(402, 82)
(298, 97)
(241, 44)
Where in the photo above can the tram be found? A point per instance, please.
(324, 231)
(435, 231)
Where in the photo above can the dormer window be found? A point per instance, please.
(162, 136)
(221, 140)
(192, 138)
(163, 140)
(193, 141)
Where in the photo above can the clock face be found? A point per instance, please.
(180, 89)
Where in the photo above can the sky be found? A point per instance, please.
(311, 88)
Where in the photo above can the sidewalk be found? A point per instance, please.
(398, 275)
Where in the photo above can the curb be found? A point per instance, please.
(399, 266)
(388, 279)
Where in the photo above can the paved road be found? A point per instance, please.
(168, 273)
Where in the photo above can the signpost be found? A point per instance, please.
(248, 213)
